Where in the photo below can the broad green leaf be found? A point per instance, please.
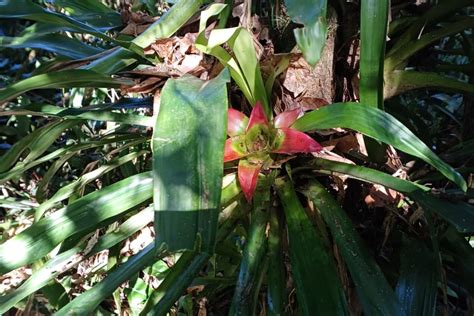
(459, 214)
(84, 214)
(252, 266)
(276, 291)
(88, 113)
(88, 301)
(417, 285)
(318, 288)
(35, 143)
(373, 34)
(406, 80)
(164, 27)
(312, 37)
(55, 43)
(61, 79)
(244, 67)
(373, 290)
(380, 126)
(188, 151)
(175, 283)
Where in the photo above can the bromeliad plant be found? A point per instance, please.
(254, 140)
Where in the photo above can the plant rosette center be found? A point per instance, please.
(253, 140)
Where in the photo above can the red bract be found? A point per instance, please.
(253, 140)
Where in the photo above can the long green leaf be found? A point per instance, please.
(373, 34)
(188, 149)
(406, 80)
(172, 287)
(73, 187)
(23, 166)
(380, 126)
(312, 37)
(97, 113)
(26, 9)
(318, 288)
(39, 279)
(373, 290)
(35, 143)
(397, 59)
(276, 292)
(61, 262)
(61, 79)
(251, 270)
(88, 301)
(459, 214)
(82, 215)
(55, 43)
(417, 285)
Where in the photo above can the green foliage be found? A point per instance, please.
(114, 190)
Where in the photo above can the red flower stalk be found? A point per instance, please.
(252, 140)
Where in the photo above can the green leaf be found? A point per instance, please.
(73, 187)
(39, 279)
(312, 37)
(83, 215)
(77, 7)
(35, 143)
(244, 67)
(252, 266)
(397, 59)
(373, 290)
(176, 281)
(23, 166)
(401, 81)
(26, 9)
(417, 285)
(459, 214)
(55, 43)
(276, 293)
(96, 113)
(318, 288)
(88, 301)
(380, 126)
(61, 79)
(373, 34)
(188, 151)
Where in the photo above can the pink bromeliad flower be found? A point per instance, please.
(252, 140)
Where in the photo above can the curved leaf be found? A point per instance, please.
(55, 43)
(373, 290)
(380, 126)
(88, 301)
(318, 288)
(61, 79)
(459, 214)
